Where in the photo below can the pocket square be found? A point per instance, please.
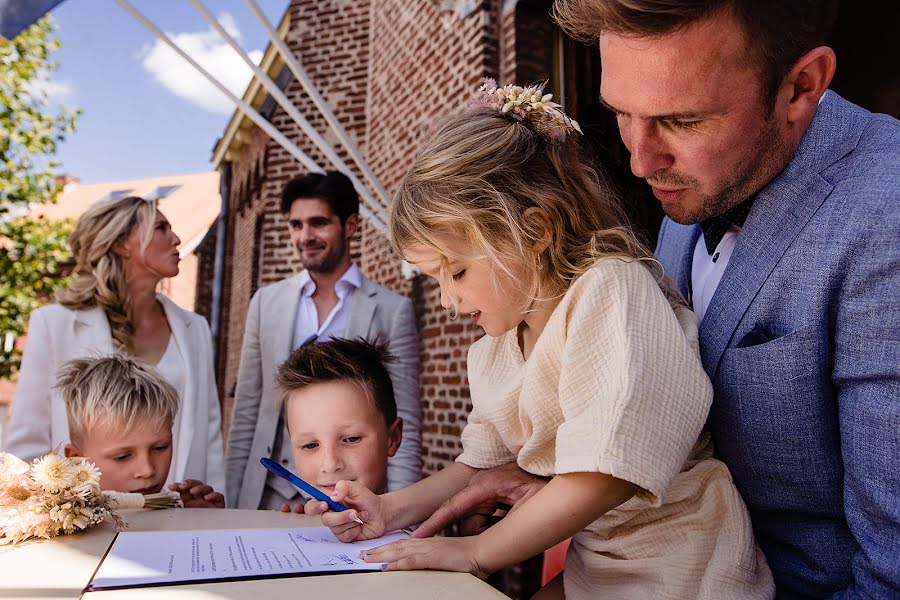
(756, 336)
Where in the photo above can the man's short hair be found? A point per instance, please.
(358, 361)
(778, 32)
(333, 187)
(115, 391)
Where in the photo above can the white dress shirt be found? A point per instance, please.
(707, 271)
(307, 322)
(171, 366)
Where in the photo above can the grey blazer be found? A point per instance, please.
(268, 341)
(802, 342)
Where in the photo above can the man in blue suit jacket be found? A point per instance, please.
(801, 339)
(783, 231)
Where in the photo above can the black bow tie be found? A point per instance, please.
(714, 229)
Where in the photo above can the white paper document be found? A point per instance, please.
(165, 557)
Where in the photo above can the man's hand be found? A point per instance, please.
(196, 494)
(489, 490)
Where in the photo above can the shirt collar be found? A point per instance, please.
(350, 280)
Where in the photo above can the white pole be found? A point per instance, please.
(320, 102)
(248, 110)
(292, 111)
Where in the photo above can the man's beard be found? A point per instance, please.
(762, 163)
(327, 261)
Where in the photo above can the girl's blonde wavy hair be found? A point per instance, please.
(98, 278)
(476, 177)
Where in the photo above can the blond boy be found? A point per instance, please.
(120, 414)
(340, 412)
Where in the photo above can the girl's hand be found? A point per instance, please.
(366, 505)
(440, 553)
(196, 494)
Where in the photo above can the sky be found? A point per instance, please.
(145, 111)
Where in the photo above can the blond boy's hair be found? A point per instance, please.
(113, 390)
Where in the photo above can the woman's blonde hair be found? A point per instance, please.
(474, 180)
(98, 278)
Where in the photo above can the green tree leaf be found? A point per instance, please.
(33, 252)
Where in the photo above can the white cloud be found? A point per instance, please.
(213, 54)
(57, 92)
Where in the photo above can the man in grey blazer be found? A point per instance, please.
(783, 231)
(329, 298)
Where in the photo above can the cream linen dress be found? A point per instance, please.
(615, 385)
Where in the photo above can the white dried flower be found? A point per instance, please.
(527, 103)
(86, 472)
(52, 473)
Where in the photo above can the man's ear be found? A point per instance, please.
(805, 83)
(70, 450)
(351, 226)
(395, 436)
(538, 220)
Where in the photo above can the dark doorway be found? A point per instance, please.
(572, 72)
(868, 55)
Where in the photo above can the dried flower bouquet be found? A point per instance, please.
(56, 495)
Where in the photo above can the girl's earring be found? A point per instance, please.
(540, 263)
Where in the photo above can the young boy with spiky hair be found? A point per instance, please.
(340, 411)
(120, 414)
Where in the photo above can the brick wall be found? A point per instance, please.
(424, 64)
(206, 259)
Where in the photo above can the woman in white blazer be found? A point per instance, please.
(122, 249)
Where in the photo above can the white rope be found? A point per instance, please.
(321, 104)
(295, 114)
(245, 108)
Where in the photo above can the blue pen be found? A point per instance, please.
(274, 467)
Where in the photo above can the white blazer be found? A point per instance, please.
(57, 334)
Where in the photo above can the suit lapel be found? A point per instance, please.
(771, 228)
(279, 325)
(91, 331)
(180, 327)
(679, 268)
(781, 210)
(360, 319)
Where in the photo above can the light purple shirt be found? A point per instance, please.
(307, 322)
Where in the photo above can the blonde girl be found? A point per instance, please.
(122, 249)
(589, 373)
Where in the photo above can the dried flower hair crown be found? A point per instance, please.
(529, 103)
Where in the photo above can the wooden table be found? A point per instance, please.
(63, 566)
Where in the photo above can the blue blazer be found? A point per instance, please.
(802, 342)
